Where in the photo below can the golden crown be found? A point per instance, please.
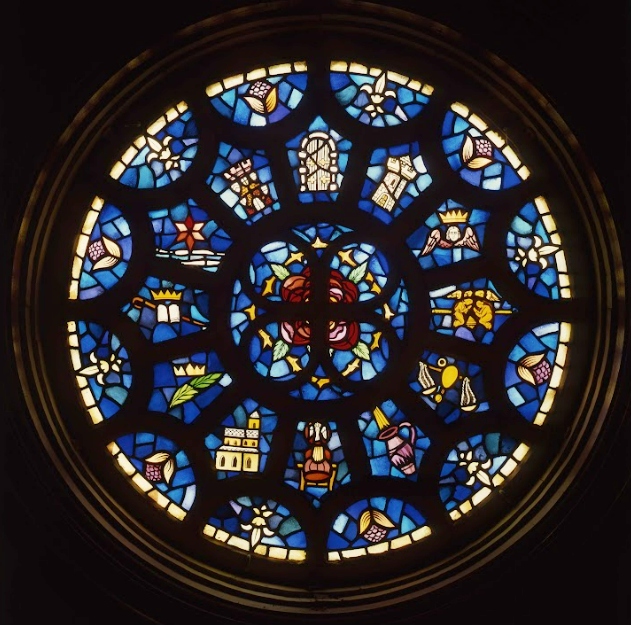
(190, 370)
(454, 217)
(164, 294)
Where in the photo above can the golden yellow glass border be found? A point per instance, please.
(280, 69)
(555, 238)
(565, 333)
(277, 553)
(405, 81)
(82, 245)
(383, 547)
(82, 382)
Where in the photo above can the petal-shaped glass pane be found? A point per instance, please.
(359, 350)
(243, 312)
(475, 468)
(158, 468)
(279, 272)
(280, 351)
(103, 251)
(261, 96)
(359, 273)
(374, 526)
(535, 252)
(162, 154)
(479, 154)
(395, 310)
(377, 97)
(535, 369)
(102, 368)
(259, 526)
(319, 388)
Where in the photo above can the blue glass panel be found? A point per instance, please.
(450, 235)
(453, 388)
(376, 99)
(394, 446)
(318, 158)
(242, 442)
(476, 157)
(163, 156)
(104, 366)
(165, 310)
(183, 387)
(161, 462)
(471, 465)
(316, 464)
(395, 519)
(242, 178)
(187, 234)
(265, 100)
(534, 256)
(529, 369)
(395, 177)
(242, 516)
(472, 311)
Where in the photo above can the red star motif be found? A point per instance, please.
(189, 231)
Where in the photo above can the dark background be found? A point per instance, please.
(54, 58)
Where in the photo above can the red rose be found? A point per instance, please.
(295, 332)
(297, 288)
(341, 289)
(343, 335)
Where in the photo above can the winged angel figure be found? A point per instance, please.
(452, 237)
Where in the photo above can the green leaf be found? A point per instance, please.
(361, 351)
(279, 350)
(357, 275)
(279, 271)
(204, 381)
(183, 394)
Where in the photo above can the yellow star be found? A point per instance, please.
(375, 288)
(320, 382)
(268, 285)
(267, 339)
(319, 244)
(375, 341)
(295, 363)
(353, 366)
(294, 257)
(250, 311)
(347, 257)
(387, 313)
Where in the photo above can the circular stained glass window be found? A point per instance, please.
(320, 310)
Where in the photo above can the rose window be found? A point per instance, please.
(320, 312)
